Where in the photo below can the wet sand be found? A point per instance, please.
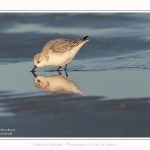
(75, 116)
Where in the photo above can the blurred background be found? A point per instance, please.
(110, 34)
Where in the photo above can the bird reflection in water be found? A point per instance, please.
(56, 84)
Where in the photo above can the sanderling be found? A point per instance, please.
(56, 84)
(58, 52)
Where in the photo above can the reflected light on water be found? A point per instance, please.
(26, 28)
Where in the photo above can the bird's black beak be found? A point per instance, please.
(34, 74)
(34, 68)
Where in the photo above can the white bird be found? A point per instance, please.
(56, 84)
(58, 52)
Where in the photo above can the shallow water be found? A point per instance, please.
(110, 83)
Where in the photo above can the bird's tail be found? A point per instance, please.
(85, 38)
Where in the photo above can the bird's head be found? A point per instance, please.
(39, 61)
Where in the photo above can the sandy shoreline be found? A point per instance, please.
(75, 116)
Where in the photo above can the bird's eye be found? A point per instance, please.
(38, 62)
(38, 80)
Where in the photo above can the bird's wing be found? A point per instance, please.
(61, 45)
(46, 49)
(47, 46)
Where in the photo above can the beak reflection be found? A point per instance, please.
(34, 68)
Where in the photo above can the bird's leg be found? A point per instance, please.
(59, 72)
(66, 73)
(58, 68)
(65, 67)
